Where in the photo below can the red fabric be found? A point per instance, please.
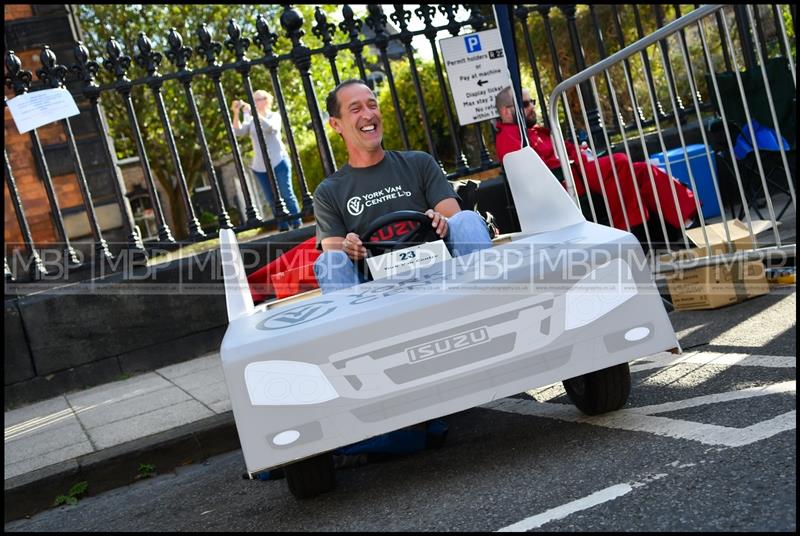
(295, 280)
(539, 137)
(508, 140)
(288, 274)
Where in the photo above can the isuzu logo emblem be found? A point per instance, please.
(447, 345)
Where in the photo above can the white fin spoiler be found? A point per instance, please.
(237, 289)
(542, 203)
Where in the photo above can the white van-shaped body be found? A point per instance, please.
(563, 298)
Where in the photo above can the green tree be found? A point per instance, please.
(412, 115)
(612, 41)
(125, 22)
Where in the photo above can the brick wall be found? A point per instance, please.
(17, 11)
(23, 166)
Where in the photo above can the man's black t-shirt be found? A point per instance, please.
(352, 198)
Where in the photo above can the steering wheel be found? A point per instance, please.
(424, 233)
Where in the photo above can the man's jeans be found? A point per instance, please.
(467, 233)
(283, 176)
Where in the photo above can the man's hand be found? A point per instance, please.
(353, 247)
(439, 222)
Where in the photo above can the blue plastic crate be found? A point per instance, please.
(703, 176)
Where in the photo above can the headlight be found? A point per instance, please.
(598, 293)
(287, 383)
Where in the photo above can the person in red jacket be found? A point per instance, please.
(508, 139)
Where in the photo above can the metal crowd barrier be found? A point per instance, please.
(697, 44)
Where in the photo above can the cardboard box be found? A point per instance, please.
(718, 284)
(715, 286)
(739, 235)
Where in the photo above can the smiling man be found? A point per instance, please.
(375, 182)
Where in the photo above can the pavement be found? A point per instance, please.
(172, 416)
(114, 434)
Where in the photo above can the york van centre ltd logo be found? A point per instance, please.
(356, 204)
(297, 315)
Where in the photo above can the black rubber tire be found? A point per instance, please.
(601, 391)
(311, 477)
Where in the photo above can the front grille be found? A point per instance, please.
(435, 365)
(463, 385)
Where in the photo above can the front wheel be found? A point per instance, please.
(312, 476)
(601, 391)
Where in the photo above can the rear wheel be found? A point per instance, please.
(601, 391)
(312, 476)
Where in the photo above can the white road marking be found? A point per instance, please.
(560, 512)
(665, 359)
(679, 465)
(642, 419)
(763, 390)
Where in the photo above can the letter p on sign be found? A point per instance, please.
(473, 43)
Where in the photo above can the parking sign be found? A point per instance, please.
(477, 71)
(473, 43)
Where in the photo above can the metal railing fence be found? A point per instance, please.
(715, 175)
(460, 151)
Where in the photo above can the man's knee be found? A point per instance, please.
(468, 232)
(330, 261)
(334, 271)
(467, 218)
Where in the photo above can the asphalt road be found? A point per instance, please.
(704, 445)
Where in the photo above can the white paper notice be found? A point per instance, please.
(33, 110)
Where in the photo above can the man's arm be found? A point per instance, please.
(350, 244)
(331, 229)
(439, 194)
(444, 209)
(332, 243)
(354, 248)
(447, 207)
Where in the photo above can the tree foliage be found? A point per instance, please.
(614, 41)
(125, 22)
(100, 21)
